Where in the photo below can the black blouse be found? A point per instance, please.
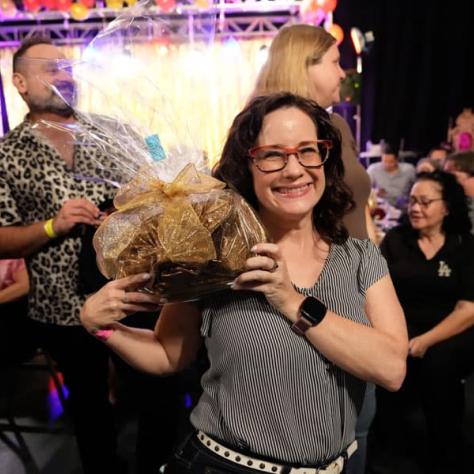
(428, 289)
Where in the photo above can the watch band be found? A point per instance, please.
(301, 325)
(312, 312)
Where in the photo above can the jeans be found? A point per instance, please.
(356, 464)
(192, 457)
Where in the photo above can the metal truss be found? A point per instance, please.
(240, 20)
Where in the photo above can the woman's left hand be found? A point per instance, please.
(267, 273)
(418, 346)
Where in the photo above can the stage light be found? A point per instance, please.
(358, 40)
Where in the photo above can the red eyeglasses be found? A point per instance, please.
(310, 154)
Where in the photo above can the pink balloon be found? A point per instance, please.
(166, 5)
(49, 4)
(63, 5)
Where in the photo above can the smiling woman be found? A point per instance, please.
(431, 261)
(289, 120)
(293, 192)
(291, 342)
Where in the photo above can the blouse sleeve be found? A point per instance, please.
(373, 266)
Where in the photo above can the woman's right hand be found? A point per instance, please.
(115, 300)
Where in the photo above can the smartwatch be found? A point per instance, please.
(311, 313)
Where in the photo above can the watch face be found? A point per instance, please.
(313, 310)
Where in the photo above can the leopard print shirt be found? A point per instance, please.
(35, 181)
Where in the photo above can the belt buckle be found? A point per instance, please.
(335, 467)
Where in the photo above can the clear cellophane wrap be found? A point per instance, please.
(172, 219)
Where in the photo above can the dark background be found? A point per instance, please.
(419, 74)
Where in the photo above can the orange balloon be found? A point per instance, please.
(329, 5)
(78, 11)
(338, 33)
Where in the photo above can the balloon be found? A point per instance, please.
(49, 4)
(63, 5)
(79, 11)
(32, 5)
(114, 4)
(201, 3)
(329, 5)
(311, 12)
(307, 6)
(336, 31)
(166, 5)
(7, 9)
(88, 3)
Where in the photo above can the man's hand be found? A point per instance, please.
(75, 211)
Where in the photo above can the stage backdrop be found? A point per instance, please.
(204, 88)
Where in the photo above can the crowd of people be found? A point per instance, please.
(322, 314)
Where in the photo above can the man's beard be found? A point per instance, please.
(61, 101)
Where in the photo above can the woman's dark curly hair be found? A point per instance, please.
(457, 221)
(233, 167)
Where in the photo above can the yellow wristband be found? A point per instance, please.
(48, 228)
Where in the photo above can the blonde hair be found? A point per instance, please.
(292, 51)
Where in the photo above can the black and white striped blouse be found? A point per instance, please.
(268, 391)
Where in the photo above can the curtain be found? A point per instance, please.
(420, 70)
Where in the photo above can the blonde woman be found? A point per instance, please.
(304, 60)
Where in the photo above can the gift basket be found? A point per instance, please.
(191, 234)
(171, 218)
